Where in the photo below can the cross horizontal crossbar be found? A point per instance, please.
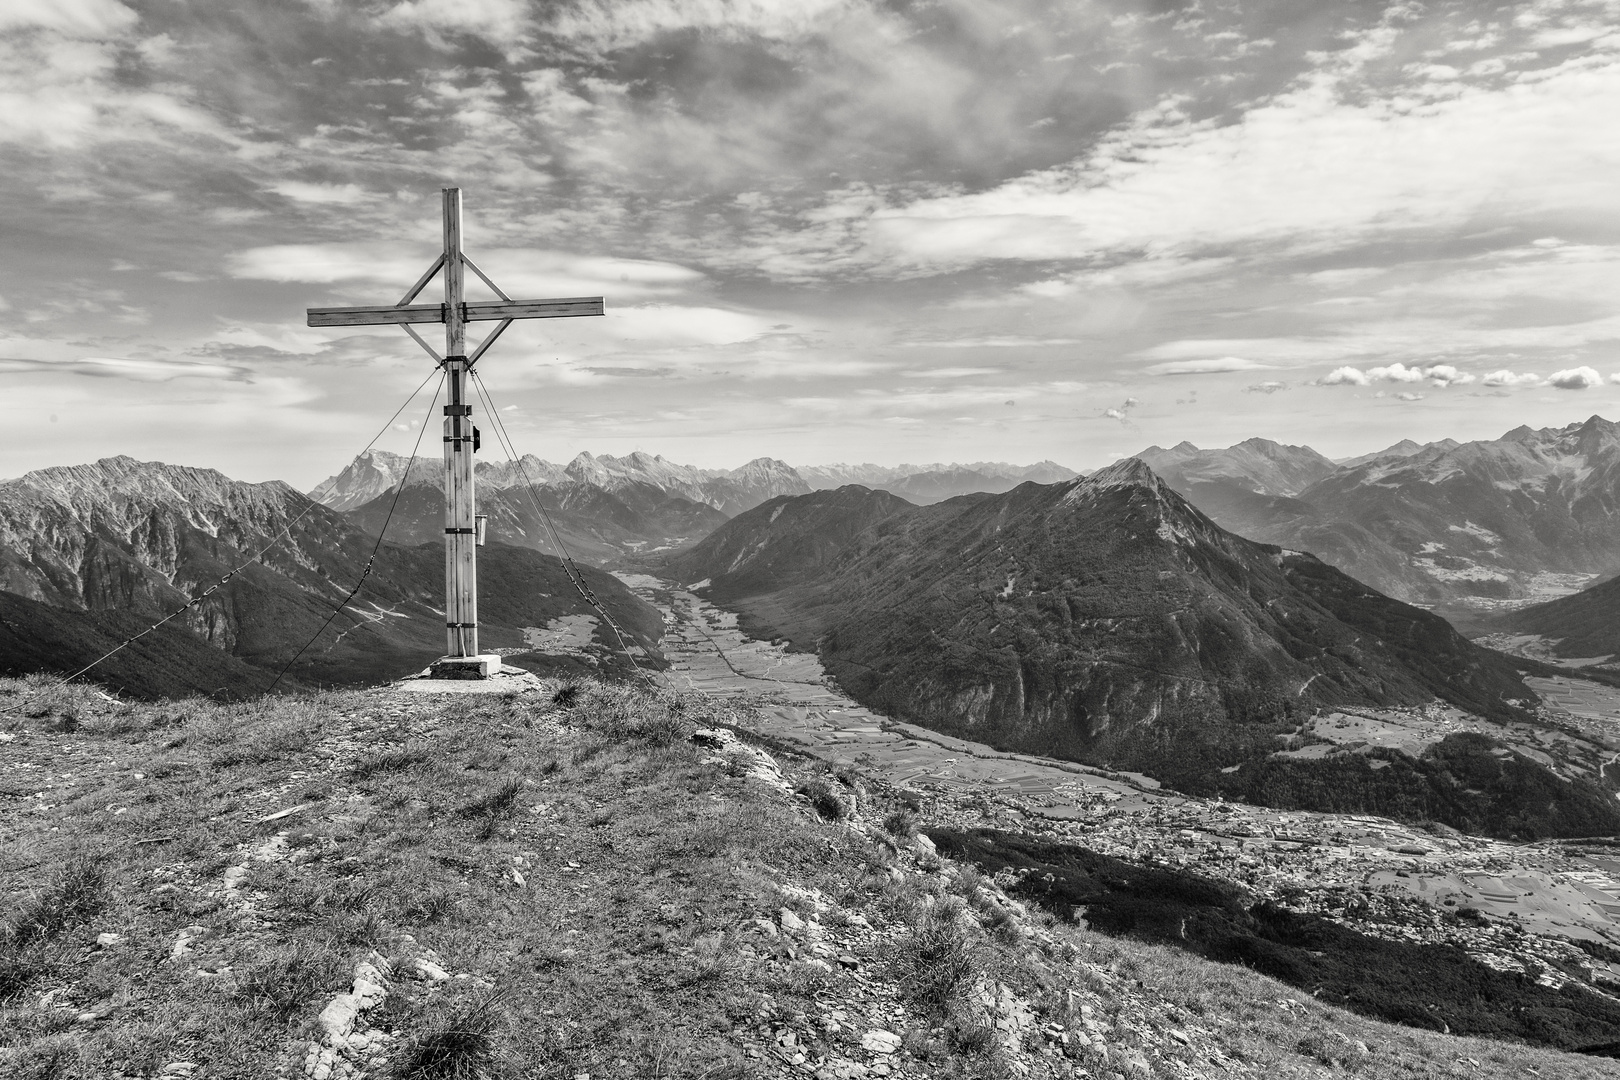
(481, 311)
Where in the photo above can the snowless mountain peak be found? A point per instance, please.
(1126, 472)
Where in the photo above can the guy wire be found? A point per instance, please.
(310, 504)
(399, 489)
(570, 568)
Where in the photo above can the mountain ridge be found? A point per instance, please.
(120, 540)
(1457, 525)
(1105, 619)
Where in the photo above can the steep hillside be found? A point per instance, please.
(1118, 602)
(1107, 620)
(1530, 515)
(784, 541)
(126, 542)
(170, 662)
(940, 484)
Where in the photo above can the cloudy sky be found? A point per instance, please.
(827, 230)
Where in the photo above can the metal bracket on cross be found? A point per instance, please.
(460, 547)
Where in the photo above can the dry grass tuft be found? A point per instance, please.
(463, 1046)
(939, 959)
(285, 979)
(825, 799)
(78, 895)
(388, 761)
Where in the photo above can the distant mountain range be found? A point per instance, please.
(923, 484)
(729, 491)
(1108, 620)
(1404, 448)
(607, 508)
(1455, 526)
(90, 553)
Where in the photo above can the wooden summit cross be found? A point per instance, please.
(460, 538)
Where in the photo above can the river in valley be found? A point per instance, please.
(1540, 887)
(799, 703)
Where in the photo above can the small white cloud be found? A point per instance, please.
(1396, 372)
(1446, 375)
(1581, 378)
(1345, 376)
(1408, 395)
(1206, 367)
(1265, 388)
(1124, 407)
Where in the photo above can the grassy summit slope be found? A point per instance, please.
(391, 886)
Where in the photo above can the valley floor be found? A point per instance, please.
(1535, 902)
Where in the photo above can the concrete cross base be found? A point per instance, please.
(508, 680)
(481, 666)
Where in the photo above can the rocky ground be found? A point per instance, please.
(582, 883)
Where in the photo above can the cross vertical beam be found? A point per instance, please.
(460, 539)
(460, 542)
(455, 278)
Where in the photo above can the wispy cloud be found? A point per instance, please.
(1210, 366)
(625, 23)
(1504, 377)
(1338, 159)
(525, 271)
(1006, 341)
(321, 194)
(109, 367)
(951, 373)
